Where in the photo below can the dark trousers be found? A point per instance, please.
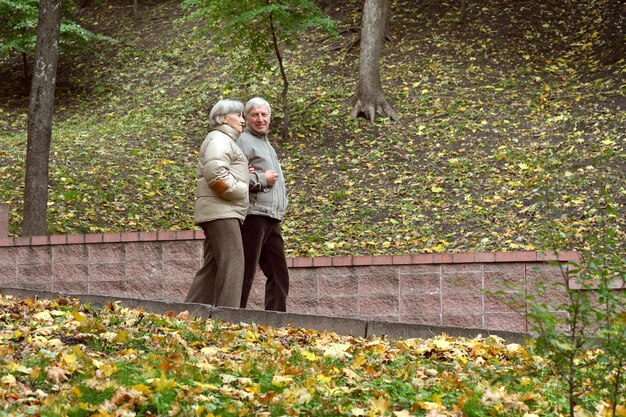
(263, 245)
(218, 282)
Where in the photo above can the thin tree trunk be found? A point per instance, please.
(25, 68)
(283, 74)
(371, 99)
(40, 112)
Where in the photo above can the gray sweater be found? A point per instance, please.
(264, 200)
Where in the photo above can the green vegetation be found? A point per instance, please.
(509, 126)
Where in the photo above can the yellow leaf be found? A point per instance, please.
(163, 384)
(309, 355)
(43, 316)
(8, 380)
(70, 358)
(379, 405)
(142, 388)
(359, 360)
(281, 381)
(323, 378)
(337, 350)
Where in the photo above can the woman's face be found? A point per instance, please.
(234, 120)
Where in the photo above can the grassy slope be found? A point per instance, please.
(510, 131)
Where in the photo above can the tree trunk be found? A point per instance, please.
(25, 68)
(40, 112)
(285, 127)
(371, 99)
(614, 30)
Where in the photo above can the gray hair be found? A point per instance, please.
(255, 102)
(224, 107)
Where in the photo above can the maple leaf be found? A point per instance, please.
(130, 396)
(56, 375)
(162, 383)
(379, 405)
(336, 350)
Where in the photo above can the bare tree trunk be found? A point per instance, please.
(40, 112)
(135, 9)
(371, 99)
(283, 75)
(25, 68)
(612, 35)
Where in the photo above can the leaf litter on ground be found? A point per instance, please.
(59, 358)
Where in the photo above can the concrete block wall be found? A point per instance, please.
(433, 289)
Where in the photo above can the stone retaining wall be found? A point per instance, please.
(434, 289)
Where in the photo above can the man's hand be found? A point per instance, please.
(271, 177)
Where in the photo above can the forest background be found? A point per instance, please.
(511, 132)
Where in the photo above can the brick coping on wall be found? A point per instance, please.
(303, 262)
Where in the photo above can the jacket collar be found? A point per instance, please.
(224, 128)
(253, 133)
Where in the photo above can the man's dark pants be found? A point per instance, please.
(263, 245)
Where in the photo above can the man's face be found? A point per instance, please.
(259, 119)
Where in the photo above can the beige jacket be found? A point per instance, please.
(222, 191)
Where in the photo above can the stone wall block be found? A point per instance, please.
(34, 255)
(420, 305)
(70, 254)
(176, 291)
(501, 281)
(303, 306)
(474, 321)
(303, 286)
(462, 283)
(144, 280)
(379, 305)
(340, 305)
(71, 287)
(515, 322)
(387, 283)
(100, 272)
(334, 271)
(144, 289)
(107, 252)
(338, 285)
(69, 272)
(546, 283)
(144, 251)
(432, 319)
(34, 273)
(8, 257)
(459, 304)
(183, 250)
(451, 269)
(513, 268)
(182, 270)
(411, 283)
(8, 275)
(108, 288)
(505, 302)
(378, 270)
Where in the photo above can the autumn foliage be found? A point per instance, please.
(60, 358)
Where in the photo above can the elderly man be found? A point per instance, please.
(262, 240)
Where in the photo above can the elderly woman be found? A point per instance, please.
(221, 205)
